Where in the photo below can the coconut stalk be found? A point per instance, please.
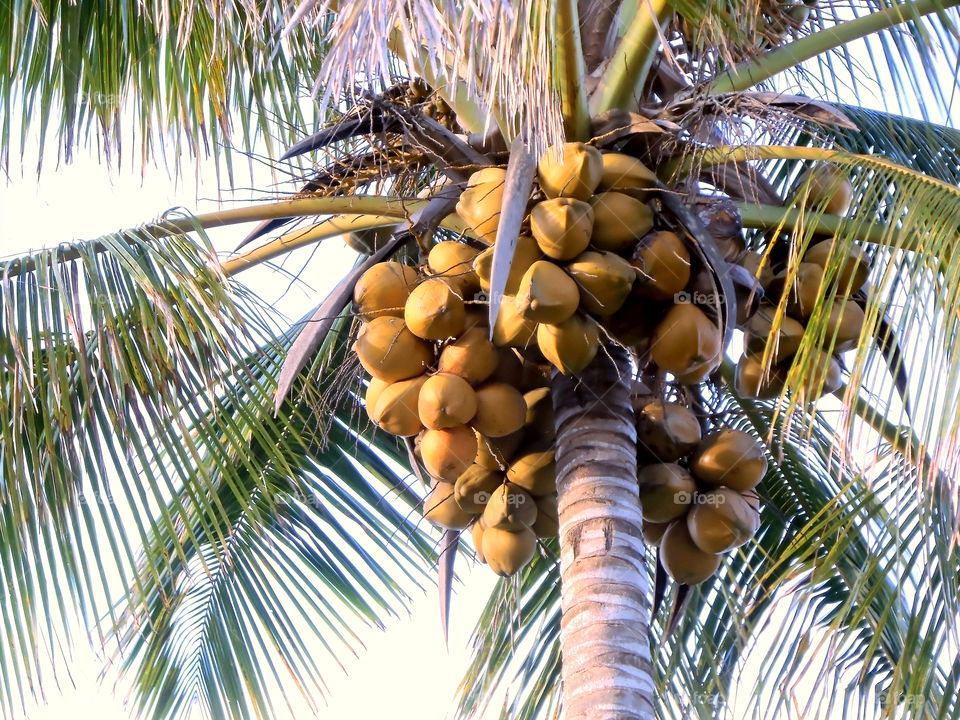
(604, 630)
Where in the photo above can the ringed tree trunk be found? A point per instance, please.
(604, 630)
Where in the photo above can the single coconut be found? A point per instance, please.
(384, 289)
(825, 188)
(539, 422)
(476, 530)
(803, 289)
(562, 227)
(479, 205)
(667, 431)
(507, 552)
(666, 491)
(604, 280)
(854, 270)
(753, 380)
(396, 408)
(445, 401)
(730, 457)
(547, 294)
(496, 453)
(474, 487)
(663, 266)
(501, 410)
(454, 261)
(510, 508)
(571, 345)
(441, 509)
(511, 328)
(721, 520)
(435, 310)
(374, 388)
(618, 220)
(471, 356)
(682, 559)
(758, 333)
(547, 524)
(844, 325)
(447, 453)
(686, 342)
(525, 254)
(535, 471)
(653, 532)
(390, 352)
(570, 170)
(626, 174)
(825, 377)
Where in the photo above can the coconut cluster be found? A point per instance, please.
(482, 414)
(696, 493)
(802, 284)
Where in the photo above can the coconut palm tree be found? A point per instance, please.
(159, 425)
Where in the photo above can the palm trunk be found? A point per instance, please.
(604, 632)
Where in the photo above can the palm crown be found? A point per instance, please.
(250, 501)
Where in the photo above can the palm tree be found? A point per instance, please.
(157, 420)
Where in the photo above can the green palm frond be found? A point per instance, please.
(139, 440)
(842, 551)
(203, 77)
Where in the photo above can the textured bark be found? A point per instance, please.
(604, 633)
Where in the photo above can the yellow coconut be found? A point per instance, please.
(663, 266)
(525, 254)
(454, 260)
(479, 207)
(721, 520)
(758, 332)
(562, 227)
(844, 325)
(435, 310)
(441, 509)
(511, 328)
(487, 175)
(547, 294)
(496, 453)
(396, 408)
(825, 188)
(374, 388)
(510, 508)
(384, 289)
(476, 530)
(445, 401)
(653, 532)
(685, 341)
(535, 471)
(604, 280)
(471, 356)
(682, 559)
(501, 410)
(753, 380)
(390, 352)
(447, 453)
(547, 524)
(475, 486)
(804, 288)
(539, 422)
(571, 170)
(626, 174)
(852, 274)
(666, 491)
(507, 552)
(730, 457)
(667, 431)
(825, 377)
(571, 345)
(619, 220)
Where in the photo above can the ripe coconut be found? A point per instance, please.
(759, 331)
(396, 408)
(474, 487)
(539, 422)
(447, 453)
(441, 509)
(853, 272)
(390, 352)
(547, 294)
(663, 265)
(844, 325)
(667, 431)
(618, 220)
(547, 524)
(445, 401)
(535, 471)
(487, 175)
(604, 280)
(571, 345)
(562, 227)
(525, 254)
(626, 174)
(653, 532)
(476, 530)
(803, 290)
(682, 559)
(666, 491)
(825, 377)
(685, 341)
(496, 453)
(384, 289)
(479, 205)
(506, 552)
(501, 410)
(731, 458)
(510, 508)
(471, 356)
(825, 188)
(753, 380)
(721, 520)
(454, 260)
(435, 310)
(570, 170)
(374, 388)
(511, 328)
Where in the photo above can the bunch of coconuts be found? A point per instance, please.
(696, 493)
(829, 191)
(482, 414)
